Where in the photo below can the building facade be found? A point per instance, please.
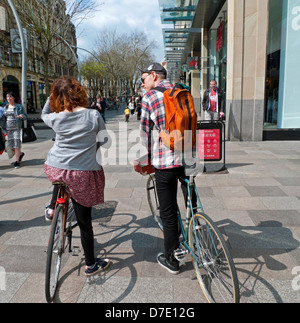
(250, 47)
(62, 61)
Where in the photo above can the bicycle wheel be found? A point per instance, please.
(54, 254)
(212, 261)
(153, 200)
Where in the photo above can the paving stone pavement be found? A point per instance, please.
(256, 204)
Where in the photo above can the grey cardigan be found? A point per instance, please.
(76, 146)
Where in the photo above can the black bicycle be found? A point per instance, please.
(60, 240)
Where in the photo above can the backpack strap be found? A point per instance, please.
(176, 87)
(163, 90)
(173, 91)
(160, 89)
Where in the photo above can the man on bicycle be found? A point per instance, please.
(168, 166)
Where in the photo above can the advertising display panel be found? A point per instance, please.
(210, 141)
(210, 144)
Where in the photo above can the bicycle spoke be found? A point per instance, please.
(219, 283)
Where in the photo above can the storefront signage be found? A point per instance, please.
(193, 63)
(209, 144)
(16, 40)
(219, 44)
(184, 68)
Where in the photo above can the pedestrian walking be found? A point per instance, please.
(12, 119)
(103, 107)
(2, 137)
(213, 102)
(139, 107)
(117, 101)
(127, 114)
(131, 105)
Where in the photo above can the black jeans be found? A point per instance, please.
(84, 219)
(166, 185)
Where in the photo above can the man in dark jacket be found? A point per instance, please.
(213, 102)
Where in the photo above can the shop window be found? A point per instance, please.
(37, 65)
(218, 54)
(273, 64)
(8, 56)
(30, 65)
(42, 94)
(41, 66)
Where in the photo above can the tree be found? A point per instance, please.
(93, 73)
(125, 55)
(50, 22)
(138, 55)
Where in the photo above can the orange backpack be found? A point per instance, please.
(180, 116)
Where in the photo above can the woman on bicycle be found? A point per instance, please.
(73, 158)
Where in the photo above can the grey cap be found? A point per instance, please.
(155, 67)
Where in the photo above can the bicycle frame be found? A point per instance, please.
(212, 262)
(190, 214)
(63, 199)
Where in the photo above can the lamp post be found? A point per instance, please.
(72, 51)
(24, 56)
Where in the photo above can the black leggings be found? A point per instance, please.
(166, 184)
(84, 219)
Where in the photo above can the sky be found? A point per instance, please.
(123, 16)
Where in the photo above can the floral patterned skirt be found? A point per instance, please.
(85, 187)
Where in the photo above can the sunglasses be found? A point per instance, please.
(144, 79)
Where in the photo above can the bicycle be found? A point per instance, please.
(63, 223)
(202, 239)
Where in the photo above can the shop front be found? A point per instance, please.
(31, 97)
(282, 113)
(36, 96)
(42, 94)
(217, 49)
(251, 48)
(10, 83)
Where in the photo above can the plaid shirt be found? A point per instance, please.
(153, 121)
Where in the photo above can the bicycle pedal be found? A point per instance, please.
(180, 254)
(76, 251)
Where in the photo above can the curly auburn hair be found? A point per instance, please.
(67, 93)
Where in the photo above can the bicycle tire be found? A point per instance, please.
(212, 261)
(153, 200)
(54, 254)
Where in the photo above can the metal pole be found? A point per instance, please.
(75, 56)
(106, 90)
(24, 56)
